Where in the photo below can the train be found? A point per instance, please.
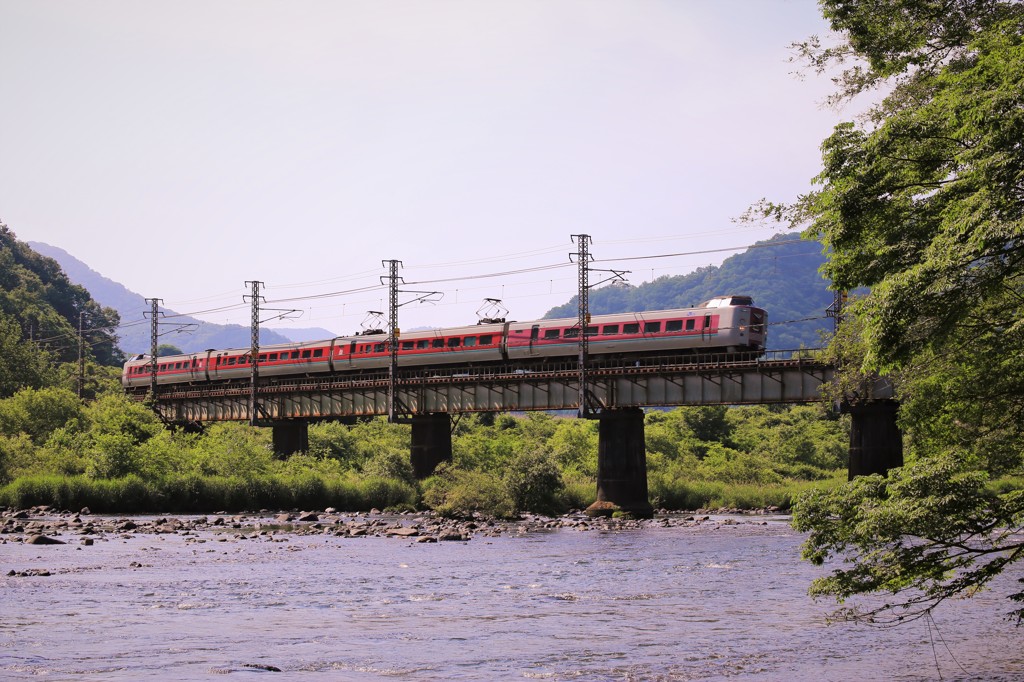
(723, 323)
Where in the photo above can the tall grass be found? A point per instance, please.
(198, 494)
(690, 495)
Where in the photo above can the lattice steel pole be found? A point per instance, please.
(393, 334)
(254, 349)
(81, 352)
(583, 260)
(154, 335)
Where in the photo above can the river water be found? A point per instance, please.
(722, 600)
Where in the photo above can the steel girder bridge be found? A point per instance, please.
(615, 391)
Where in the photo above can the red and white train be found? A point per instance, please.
(725, 323)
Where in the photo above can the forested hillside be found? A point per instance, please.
(40, 314)
(780, 273)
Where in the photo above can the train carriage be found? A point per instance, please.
(724, 323)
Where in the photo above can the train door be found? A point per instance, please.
(534, 336)
(705, 330)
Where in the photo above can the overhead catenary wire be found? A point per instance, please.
(475, 276)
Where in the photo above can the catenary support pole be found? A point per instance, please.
(154, 337)
(254, 351)
(582, 256)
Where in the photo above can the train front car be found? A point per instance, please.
(741, 326)
(722, 324)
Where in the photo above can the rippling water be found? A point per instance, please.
(687, 603)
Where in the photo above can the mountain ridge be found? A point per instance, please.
(134, 336)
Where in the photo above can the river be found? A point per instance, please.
(720, 600)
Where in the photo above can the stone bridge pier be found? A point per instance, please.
(621, 465)
(431, 442)
(876, 443)
(290, 436)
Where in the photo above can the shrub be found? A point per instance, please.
(457, 493)
(533, 482)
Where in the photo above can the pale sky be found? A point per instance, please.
(181, 148)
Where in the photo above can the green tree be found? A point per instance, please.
(39, 412)
(22, 365)
(923, 202)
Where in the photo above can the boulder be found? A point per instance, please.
(43, 540)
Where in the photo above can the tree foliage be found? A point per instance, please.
(41, 313)
(923, 202)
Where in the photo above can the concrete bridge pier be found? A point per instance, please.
(290, 436)
(876, 444)
(621, 465)
(431, 442)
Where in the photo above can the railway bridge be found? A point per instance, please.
(615, 391)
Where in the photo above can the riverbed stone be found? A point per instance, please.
(43, 540)
(404, 532)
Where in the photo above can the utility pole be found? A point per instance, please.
(254, 350)
(583, 259)
(393, 333)
(835, 311)
(81, 352)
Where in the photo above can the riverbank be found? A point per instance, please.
(43, 525)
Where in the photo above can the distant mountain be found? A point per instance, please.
(781, 274)
(134, 333)
(299, 335)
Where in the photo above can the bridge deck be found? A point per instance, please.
(643, 382)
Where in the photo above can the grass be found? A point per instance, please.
(196, 494)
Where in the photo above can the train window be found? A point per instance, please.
(243, 361)
(674, 326)
(306, 353)
(551, 333)
(652, 327)
(453, 342)
(295, 355)
(438, 343)
(318, 353)
(610, 329)
(177, 365)
(272, 357)
(592, 331)
(378, 348)
(422, 343)
(690, 323)
(407, 345)
(573, 333)
(486, 340)
(231, 361)
(263, 357)
(469, 341)
(631, 328)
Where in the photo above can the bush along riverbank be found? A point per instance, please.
(113, 456)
